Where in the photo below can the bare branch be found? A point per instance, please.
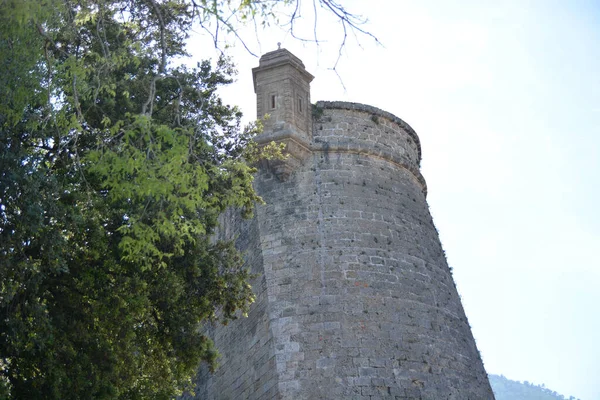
(151, 95)
(218, 20)
(352, 20)
(163, 46)
(215, 15)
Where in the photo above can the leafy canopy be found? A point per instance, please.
(114, 166)
(115, 163)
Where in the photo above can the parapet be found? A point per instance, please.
(362, 129)
(375, 113)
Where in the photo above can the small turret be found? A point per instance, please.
(282, 87)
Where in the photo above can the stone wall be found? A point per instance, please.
(246, 366)
(355, 299)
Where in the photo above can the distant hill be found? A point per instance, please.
(506, 389)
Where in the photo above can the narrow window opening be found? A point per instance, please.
(300, 105)
(272, 101)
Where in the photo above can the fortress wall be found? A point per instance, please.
(247, 364)
(362, 302)
(401, 304)
(355, 299)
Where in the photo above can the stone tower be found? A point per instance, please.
(354, 298)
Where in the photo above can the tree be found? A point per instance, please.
(114, 168)
(115, 164)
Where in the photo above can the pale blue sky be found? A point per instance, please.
(505, 97)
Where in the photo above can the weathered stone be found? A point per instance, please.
(354, 298)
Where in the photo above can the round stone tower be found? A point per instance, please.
(355, 299)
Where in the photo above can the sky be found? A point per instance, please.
(505, 98)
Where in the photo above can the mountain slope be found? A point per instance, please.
(506, 389)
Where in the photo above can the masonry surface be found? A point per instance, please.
(355, 299)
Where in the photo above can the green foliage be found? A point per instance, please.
(506, 389)
(114, 167)
(317, 112)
